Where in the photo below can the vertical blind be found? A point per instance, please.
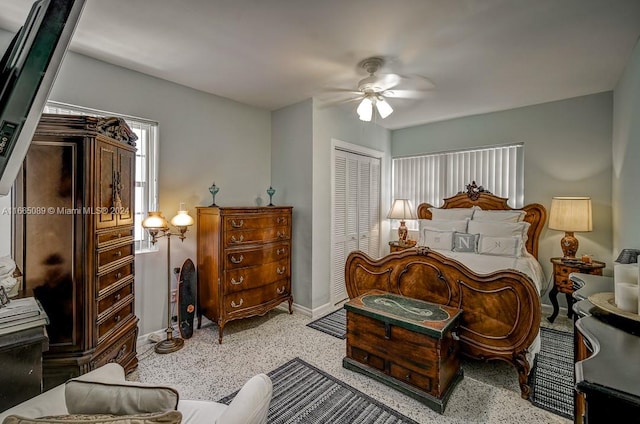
(431, 178)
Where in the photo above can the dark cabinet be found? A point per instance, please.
(74, 241)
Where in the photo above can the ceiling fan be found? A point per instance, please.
(374, 90)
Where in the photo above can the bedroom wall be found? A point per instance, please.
(567, 153)
(202, 138)
(626, 151)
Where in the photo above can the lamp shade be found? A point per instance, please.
(182, 219)
(155, 221)
(570, 214)
(401, 209)
(365, 109)
(384, 108)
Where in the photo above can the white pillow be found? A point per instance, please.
(499, 229)
(508, 216)
(500, 246)
(452, 214)
(465, 242)
(445, 225)
(442, 240)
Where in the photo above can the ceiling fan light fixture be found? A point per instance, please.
(384, 108)
(365, 109)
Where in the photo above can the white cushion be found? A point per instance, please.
(465, 242)
(445, 225)
(509, 216)
(500, 246)
(442, 240)
(499, 229)
(251, 404)
(452, 214)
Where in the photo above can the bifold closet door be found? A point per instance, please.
(356, 213)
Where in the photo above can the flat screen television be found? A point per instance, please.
(27, 71)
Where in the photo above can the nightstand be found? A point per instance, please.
(562, 284)
(395, 246)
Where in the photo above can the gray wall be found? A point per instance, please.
(567, 152)
(626, 157)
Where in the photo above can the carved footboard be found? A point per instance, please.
(501, 310)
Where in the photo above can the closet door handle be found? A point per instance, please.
(238, 260)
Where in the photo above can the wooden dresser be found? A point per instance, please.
(244, 262)
(75, 241)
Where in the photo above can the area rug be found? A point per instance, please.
(552, 377)
(334, 323)
(304, 394)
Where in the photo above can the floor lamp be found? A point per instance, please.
(154, 224)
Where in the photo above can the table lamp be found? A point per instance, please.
(402, 209)
(570, 214)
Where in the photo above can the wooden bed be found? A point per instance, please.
(501, 310)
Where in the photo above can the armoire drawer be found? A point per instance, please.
(114, 319)
(114, 254)
(107, 280)
(107, 302)
(267, 235)
(115, 236)
(244, 222)
(250, 257)
(255, 276)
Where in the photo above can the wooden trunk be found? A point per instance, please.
(244, 262)
(75, 243)
(416, 356)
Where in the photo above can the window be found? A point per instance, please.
(146, 190)
(431, 178)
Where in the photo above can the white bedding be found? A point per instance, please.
(486, 264)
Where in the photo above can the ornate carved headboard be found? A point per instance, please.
(476, 196)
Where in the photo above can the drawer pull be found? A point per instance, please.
(118, 275)
(116, 297)
(407, 377)
(281, 220)
(238, 260)
(280, 251)
(233, 303)
(116, 318)
(281, 271)
(118, 253)
(233, 280)
(239, 240)
(121, 353)
(366, 358)
(281, 234)
(235, 224)
(119, 235)
(281, 290)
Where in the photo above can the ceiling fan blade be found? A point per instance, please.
(324, 105)
(387, 81)
(405, 94)
(418, 81)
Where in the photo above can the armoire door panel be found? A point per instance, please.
(125, 179)
(107, 165)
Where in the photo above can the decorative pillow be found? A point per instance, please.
(452, 214)
(465, 242)
(442, 240)
(118, 398)
(500, 246)
(445, 225)
(499, 229)
(508, 216)
(168, 417)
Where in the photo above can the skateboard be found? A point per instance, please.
(186, 298)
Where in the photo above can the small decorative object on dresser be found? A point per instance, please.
(243, 261)
(562, 267)
(271, 191)
(214, 189)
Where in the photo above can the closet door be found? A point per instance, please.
(356, 213)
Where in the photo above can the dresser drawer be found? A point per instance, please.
(107, 280)
(267, 235)
(120, 350)
(115, 236)
(255, 222)
(262, 255)
(365, 357)
(114, 254)
(114, 319)
(123, 294)
(238, 302)
(255, 276)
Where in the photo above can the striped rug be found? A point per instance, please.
(334, 323)
(306, 395)
(552, 377)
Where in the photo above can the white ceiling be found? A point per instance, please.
(482, 55)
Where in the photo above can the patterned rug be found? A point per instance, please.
(333, 323)
(304, 394)
(552, 376)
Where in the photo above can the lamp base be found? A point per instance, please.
(569, 245)
(169, 345)
(402, 233)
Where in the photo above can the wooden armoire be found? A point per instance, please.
(74, 241)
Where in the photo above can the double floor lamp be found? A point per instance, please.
(154, 224)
